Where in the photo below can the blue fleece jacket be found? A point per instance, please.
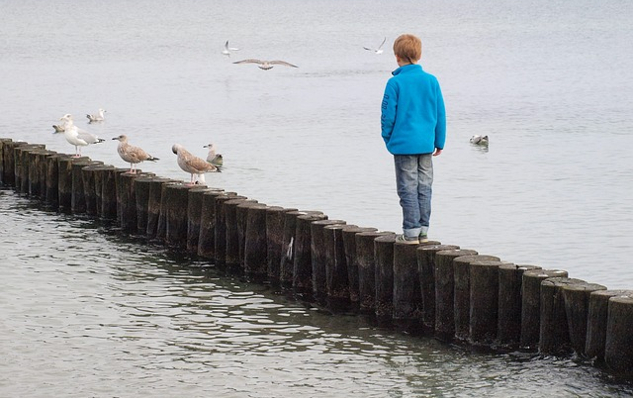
(413, 116)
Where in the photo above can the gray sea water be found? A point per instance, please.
(86, 312)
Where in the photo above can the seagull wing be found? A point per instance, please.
(199, 165)
(383, 43)
(87, 137)
(277, 62)
(249, 61)
(368, 49)
(226, 45)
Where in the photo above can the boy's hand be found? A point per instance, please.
(437, 152)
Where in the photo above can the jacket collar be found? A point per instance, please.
(406, 68)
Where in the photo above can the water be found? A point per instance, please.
(547, 81)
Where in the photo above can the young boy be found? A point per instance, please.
(414, 129)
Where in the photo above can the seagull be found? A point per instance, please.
(99, 117)
(213, 157)
(379, 49)
(132, 154)
(479, 140)
(76, 136)
(58, 128)
(227, 50)
(191, 163)
(265, 65)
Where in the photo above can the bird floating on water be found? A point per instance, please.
(479, 140)
(99, 117)
(227, 50)
(378, 50)
(192, 164)
(213, 157)
(132, 154)
(76, 136)
(59, 128)
(265, 65)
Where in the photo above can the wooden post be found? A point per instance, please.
(302, 269)
(78, 194)
(156, 218)
(349, 243)
(531, 305)
(220, 227)
(177, 204)
(141, 193)
(597, 320)
(317, 257)
(275, 218)
(484, 301)
(407, 292)
(576, 298)
(554, 333)
(126, 200)
(286, 268)
(194, 215)
(23, 162)
(365, 253)
(509, 325)
(89, 178)
(445, 292)
(5, 144)
(336, 280)
(65, 181)
(461, 296)
(241, 217)
(9, 163)
(618, 353)
(107, 178)
(383, 277)
(232, 258)
(37, 172)
(256, 244)
(52, 180)
(206, 240)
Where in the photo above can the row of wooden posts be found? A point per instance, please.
(451, 293)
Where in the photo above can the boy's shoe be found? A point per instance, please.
(408, 240)
(423, 238)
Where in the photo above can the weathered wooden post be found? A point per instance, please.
(336, 268)
(576, 298)
(302, 267)
(37, 172)
(65, 181)
(4, 144)
(220, 227)
(461, 297)
(351, 258)
(9, 163)
(618, 353)
(275, 216)
(232, 258)
(484, 301)
(107, 179)
(141, 193)
(554, 333)
(52, 179)
(426, 271)
(78, 194)
(286, 268)
(383, 277)
(194, 214)
(126, 200)
(407, 292)
(91, 191)
(23, 154)
(206, 240)
(445, 292)
(597, 320)
(177, 197)
(509, 325)
(366, 255)
(317, 257)
(241, 218)
(256, 243)
(156, 218)
(531, 305)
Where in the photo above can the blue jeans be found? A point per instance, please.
(414, 177)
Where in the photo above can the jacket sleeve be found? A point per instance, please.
(440, 127)
(388, 114)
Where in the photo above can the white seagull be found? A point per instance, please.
(191, 163)
(227, 50)
(132, 154)
(213, 157)
(76, 136)
(479, 140)
(99, 117)
(265, 65)
(378, 50)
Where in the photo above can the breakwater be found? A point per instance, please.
(441, 290)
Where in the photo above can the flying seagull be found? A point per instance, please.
(213, 157)
(191, 163)
(379, 49)
(99, 117)
(265, 65)
(227, 50)
(76, 136)
(132, 154)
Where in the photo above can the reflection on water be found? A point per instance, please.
(87, 311)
